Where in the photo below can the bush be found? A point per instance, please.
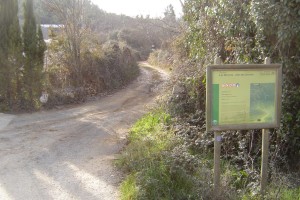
(64, 97)
(161, 58)
(104, 68)
(160, 165)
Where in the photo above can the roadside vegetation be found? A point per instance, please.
(161, 163)
(238, 32)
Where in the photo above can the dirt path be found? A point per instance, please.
(68, 154)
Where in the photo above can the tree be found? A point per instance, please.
(73, 16)
(41, 46)
(10, 53)
(170, 13)
(168, 24)
(34, 48)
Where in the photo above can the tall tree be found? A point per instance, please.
(5, 23)
(34, 49)
(10, 53)
(41, 46)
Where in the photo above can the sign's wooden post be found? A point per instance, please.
(265, 152)
(217, 151)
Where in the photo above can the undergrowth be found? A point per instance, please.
(160, 165)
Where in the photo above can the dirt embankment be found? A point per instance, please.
(67, 154)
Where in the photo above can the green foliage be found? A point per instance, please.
(29, 30)
(10, 55)
(129, 188)
(278, 36)
(191, 99)
(219, 27)
(120, 62)
(160, 166)
(275, 193)
(148, 123)
(21, 76)
(146, 139)
(41, 46)
(287, 194)
(247, 32)
(34, 48)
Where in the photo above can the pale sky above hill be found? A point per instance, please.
(154, 8)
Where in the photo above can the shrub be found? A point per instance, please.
(104, 68)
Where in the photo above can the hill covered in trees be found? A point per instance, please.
(91, 51)
(142, 32)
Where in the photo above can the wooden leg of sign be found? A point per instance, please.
(217, 150)
(264, 160)
(265, 153)
(217, 153)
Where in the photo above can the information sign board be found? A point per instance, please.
(243, 97)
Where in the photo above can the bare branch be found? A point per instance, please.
(182, 4)
(166, 26)
(71, 12)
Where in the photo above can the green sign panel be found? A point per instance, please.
(243, 96)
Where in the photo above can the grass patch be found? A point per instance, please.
(129, 188)
(275, 193)
(290, 194)
(146, 142)
(158, 166)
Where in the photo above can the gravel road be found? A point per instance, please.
(69, 153)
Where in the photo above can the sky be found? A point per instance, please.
(154, 8)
